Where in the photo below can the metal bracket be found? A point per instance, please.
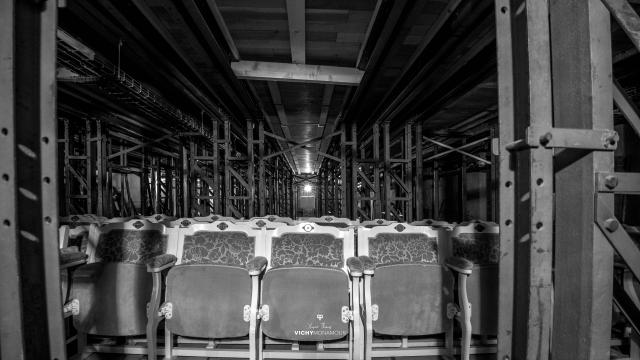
(263, 313)
(618, 182)
(72, 306)
(374, 312)
(585, 139)
(347, 314)
(166, 310)
(246, 313)
(452, 310)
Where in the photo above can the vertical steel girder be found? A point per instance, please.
(398, 175)
(79, 167)
(366, 180)
(204, 165)
(31, 324)
(580, 97)
(525, 270)
(239, 173)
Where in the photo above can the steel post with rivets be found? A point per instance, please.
(31, 325)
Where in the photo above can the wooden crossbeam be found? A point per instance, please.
(626, 106)
(139, 146)
(261, 70)
(458, 149)
(297, 36)
(627, 17)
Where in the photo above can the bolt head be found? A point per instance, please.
(611, 225)
(611, 181)
(610, 139)
(545, 139)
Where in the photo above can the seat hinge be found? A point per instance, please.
(72, 306)
(347, 315)
(263, 313)
(374, 312)
(166, 310)
(585, 139)
(452, 310)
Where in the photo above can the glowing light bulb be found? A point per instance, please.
(307, 188)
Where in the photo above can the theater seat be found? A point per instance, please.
(109, 294)
(479, 242)
(212, 292)
(409, 286)
(310, 291)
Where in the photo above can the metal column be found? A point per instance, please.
(525, 69)
(582, 89)
(31, 324)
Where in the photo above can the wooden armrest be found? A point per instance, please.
(355, 266)
(161, 262)
(257, 265)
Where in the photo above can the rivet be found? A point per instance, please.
(611, 181)
(545, 139)
(611, 224)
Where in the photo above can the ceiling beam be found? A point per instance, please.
(223, 28)
(277, 103)
(372, 22)
(270, 71)
(324, 114)
(296, 17)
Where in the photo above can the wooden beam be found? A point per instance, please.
(297, 36)
(277, 103)
(374, 16)
(627, 18)
(223, 27)
(626, 106)
(260, 70)
(582, 99)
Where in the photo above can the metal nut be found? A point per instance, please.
(611, 224)
(610, 139)
(545, 139)
(611, 181)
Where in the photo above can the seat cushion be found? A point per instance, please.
(208, 300)
(411, 298)
(113, 298)
(305, 304)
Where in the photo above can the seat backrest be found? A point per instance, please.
(377, 222)
(309, 245)
(74, 236)
(434, 223)
(400, 243)
(75, 220)
(219, 243)
(183, 222)
(281, 219)
(134, 241)
(260, 223)
(330, 220)
(213, 217)
(477, 241)
(157, 218)
(115, 220)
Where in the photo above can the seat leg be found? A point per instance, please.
(82, 346)
(168, 344)
(464, 317)
(260, 342)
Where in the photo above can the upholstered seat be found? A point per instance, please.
(111, 292)
(479, 242)
(310, 289)
(409, 291)
(213, 288)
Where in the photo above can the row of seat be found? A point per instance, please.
(245, 288)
